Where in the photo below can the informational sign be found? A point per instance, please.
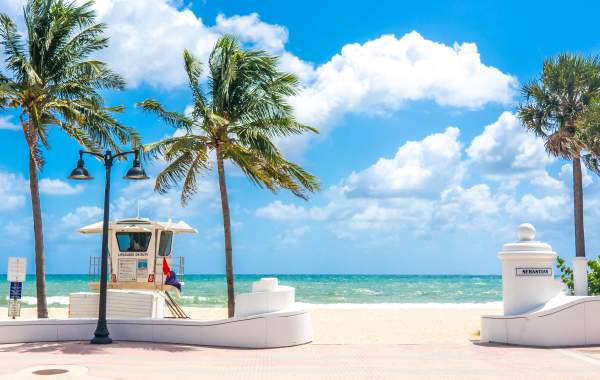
(127, 270)
(17, 269)
(14, 308)
(142, 269)
(16, 290)
(534, 272)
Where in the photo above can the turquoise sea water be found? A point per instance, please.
(209, 290)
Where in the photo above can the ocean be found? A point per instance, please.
(331, 290)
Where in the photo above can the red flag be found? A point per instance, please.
(166, 268)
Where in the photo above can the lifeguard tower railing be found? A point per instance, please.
(177, 265)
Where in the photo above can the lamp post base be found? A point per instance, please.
(101, 340)
(101, 335)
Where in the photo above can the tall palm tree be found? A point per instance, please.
(558, 108)
(244, 109)
(52, 82)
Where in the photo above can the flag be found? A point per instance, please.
(166, 267)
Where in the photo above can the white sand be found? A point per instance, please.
(363, 324)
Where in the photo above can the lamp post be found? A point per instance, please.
(136, 172)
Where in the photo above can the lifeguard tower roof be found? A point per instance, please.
(140, 224)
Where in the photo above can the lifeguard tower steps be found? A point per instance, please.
(174, 308)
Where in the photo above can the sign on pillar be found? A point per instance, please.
(17, 271)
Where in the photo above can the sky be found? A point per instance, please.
(425, 168)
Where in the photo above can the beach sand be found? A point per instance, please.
(364, 325)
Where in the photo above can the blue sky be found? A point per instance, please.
(424, 167)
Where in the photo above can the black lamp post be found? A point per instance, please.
(101, 335)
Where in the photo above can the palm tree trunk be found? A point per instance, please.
(578, 206)
(42, 307)
(227, 233)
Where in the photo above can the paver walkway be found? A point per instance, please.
(128, 360)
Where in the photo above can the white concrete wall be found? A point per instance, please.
(279, 329)
(571, 321)
(264, 301)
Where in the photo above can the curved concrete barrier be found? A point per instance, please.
(284, 328)
(562, 321)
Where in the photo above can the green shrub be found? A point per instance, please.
(566, 275)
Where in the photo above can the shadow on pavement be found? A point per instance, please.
(85, 348)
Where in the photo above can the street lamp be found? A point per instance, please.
(101, 335)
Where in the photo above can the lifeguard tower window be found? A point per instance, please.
(133, 241)
(166, 241)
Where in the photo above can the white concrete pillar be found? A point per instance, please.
(527, 272)
(580, 280)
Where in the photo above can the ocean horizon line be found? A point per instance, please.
(331, 289)
(63, 301)
(299, 274)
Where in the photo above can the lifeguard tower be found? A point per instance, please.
(138, 292)
(140, 253)
(143, 272)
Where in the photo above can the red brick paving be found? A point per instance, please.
(127, 360)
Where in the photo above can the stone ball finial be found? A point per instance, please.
(526, 232)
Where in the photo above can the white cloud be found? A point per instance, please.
(82, 216)
(50, 186)
(291, 63)
(250, 29)
(66, 226)
(505, 148)
(377, 214)
(293, 235)
(545, 180)
(476, 199)
(378, 76)
(549, 208)
(13, 190)
(402, 191)
(7, 123)
(277, 210)
(15, 229)
(20, 231)
(566, 173)
(162, 206)
(419, 167)
(427, 185)
(384, 73)
(148, 38)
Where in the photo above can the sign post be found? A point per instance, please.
(17, 270)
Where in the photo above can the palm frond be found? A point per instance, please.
(246, 108)
(556, 101)
(174, 119)
(193, 69)
(52, 80)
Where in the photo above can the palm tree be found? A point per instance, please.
(54, 83)
(558, 108)
(244, 109)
